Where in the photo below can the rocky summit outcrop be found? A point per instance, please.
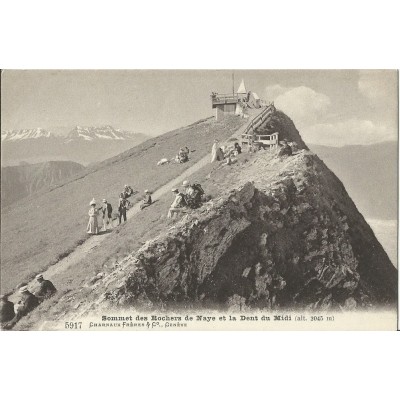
(288, 238)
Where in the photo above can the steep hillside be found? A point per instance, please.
(292, 238)
(21, 181)
(278, 233)
(370, 170)
(289, 239)
(51, 224)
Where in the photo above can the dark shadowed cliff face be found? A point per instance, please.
(291, 238)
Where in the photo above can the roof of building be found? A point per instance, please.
(255, 95)
(242, 88)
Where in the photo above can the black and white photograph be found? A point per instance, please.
(199, 199)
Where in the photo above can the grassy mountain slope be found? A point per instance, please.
(39, 231)
(21, 181)
(200, 261)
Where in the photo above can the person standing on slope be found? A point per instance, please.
(93, 227)
(107, 214)
(122, 206)
(216, 152)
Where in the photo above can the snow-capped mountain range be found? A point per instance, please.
(25, 134)
(88, 133)
(83, 145)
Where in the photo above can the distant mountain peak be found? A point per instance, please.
(23, 134)
(79, 132)
(104, 132)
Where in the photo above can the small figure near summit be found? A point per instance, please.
(216, 152)
(285, 150)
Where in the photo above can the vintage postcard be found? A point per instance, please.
(199, 200)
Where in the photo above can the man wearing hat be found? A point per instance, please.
(177, 204)
(26, 303)
(6, 309)
(147, 201)
(107, 214)
(46, 288)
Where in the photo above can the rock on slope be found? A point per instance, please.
(289, 238)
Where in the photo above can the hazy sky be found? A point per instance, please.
(333, 107)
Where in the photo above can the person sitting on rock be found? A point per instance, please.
(193, 194)
(147, 201)
(285, 150)
(46, 288)
(7, 312)
(177, 205)
(24, 306)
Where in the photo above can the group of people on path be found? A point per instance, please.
(11, 313)
(106, 210)
(220, 153)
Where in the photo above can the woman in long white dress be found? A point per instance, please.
(93, 226)
(214, 150)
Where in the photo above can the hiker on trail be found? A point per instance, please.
(107, 214)
(122, 207)
(193, 194)
(238, 148)
(7, 312)
(285, 150)
(46, 288)
(147, 201)
(177, 205)
(93, 227)
(216, 152)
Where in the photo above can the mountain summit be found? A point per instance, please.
(279, 233)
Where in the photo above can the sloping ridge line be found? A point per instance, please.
(82, 250)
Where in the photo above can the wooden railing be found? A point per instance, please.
(269, 139)
(224, 97)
